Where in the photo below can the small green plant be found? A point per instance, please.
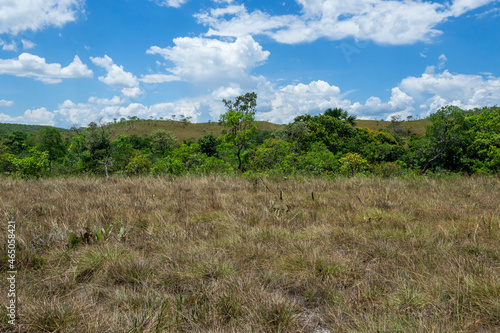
(99, 234)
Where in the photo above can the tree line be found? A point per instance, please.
(328, 144)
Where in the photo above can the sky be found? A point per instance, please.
(70, 62)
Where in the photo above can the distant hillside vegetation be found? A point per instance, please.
(186, 131)
(416, 127)
(9, 128)
(182, 130)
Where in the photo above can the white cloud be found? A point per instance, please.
(107, 109)
(27, 44)
(399, 104)
(494, 12)
(466, 91)
(158, 78)
(20, 15)
(116, 100)
(290, 101)
(117, 77)
(442, 61)
(132, 92)
(171, 3)
(29, 65)
(203, 60)
(8, 47)
(31, 117)
(385, 22)
(6, 103)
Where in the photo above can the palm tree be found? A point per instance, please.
(340, 114)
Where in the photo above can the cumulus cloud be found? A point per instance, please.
(290, 101)
(385, 22)
(39, 116)
(104, 109)
(21, 15)
(6, 103)
(464, 90)
(204, 60)
(29, 65)
(117, 77)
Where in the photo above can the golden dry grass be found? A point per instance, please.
(226, 255)
(415, 127)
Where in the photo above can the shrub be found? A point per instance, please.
(139, 164)
(352, 164)
(168, 166)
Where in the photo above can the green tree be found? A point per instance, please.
(121, 152)
(163, 141)
(50, 140)
(240, 121)
(98, 143)
(18, 142)
(340, 114)
(35, 164)
(446, 141)
(208, 145)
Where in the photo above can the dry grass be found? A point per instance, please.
(226, 255)
(416, 127)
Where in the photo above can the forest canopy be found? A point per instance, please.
(328, 144)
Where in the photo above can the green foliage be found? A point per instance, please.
(50, 140)
(213, 166)
(353, 164)
(122, 152)
(325, 144)
(208, 145)
(138, 164)
(446, 141)
(168, 166)
(334, 133)
(18, 142)
(96, 235)
(485, 147)
(163, 141)
(98, 144)
(35, 164)
(340, 114)
(240, 121)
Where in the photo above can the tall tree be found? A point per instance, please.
(340, 114)
(240, 121)
(162, 141)
(98, 142)
(50, 140)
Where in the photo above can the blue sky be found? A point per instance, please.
(70, 62)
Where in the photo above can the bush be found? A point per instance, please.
(213, 165)
(139, 164)
(353, 164)
(36, 164)
(168, 166)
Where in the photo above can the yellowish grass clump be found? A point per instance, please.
(226, 254)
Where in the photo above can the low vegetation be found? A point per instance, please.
(214, 254)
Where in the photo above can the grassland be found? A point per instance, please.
(194, 131)
(415, 127)
(227, 255)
